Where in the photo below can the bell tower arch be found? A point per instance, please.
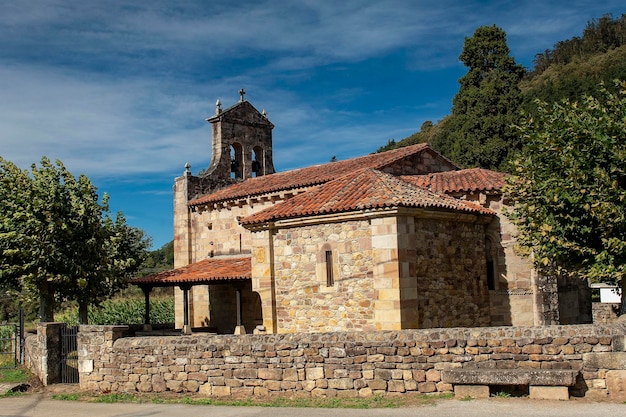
(242, 142)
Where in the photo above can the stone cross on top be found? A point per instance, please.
(242, 93)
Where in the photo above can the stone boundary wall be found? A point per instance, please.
(345, 364)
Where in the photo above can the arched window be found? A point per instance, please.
(326, 266)
(236, 161)
(258, 168)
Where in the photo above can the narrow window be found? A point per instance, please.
(490, 250)
(491, 276)
(330, 279)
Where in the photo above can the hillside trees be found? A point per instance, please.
(58, 242)
(569, 188)
(479, 131)
(599, 36)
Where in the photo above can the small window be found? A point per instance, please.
(491, 276)
(490, 251)
(330, 279)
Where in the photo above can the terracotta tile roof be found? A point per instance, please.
(465, 180)
(206, 271)
(363, 189)
(309, 176)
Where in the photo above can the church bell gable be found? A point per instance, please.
(242, 142)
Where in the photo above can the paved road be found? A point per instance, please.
(36, 405)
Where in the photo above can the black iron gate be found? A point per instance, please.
(12, 343)
(69, 355)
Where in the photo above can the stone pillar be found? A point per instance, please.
(387, 314)
(182, 232)
(49, 341)
(263, 277)
(95, 356)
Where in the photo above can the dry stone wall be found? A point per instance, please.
(343, 364)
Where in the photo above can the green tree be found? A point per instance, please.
(479, 132)
(569, 188)
(58, 242)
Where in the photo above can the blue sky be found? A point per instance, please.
(120, 90)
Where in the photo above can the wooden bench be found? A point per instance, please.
(542, 383)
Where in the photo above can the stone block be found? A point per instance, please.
(377, 384)
(308, 385)
(341, 383)
(273, 374)
(219, 391)
(314, 373)
(616, 384)
(144, 387)
(539, 377)
(426, 387)
(471, 391)
(318, 392)
(396, 386)
(433, 375)
(205, 390)
(548, 393)
(604, 360)
(365, 392)
(290, 374)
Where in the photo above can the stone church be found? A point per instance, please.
(394, 240)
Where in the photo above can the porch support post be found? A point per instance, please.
(186, 326)
(239, 329)
(146, 318)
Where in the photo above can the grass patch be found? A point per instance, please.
(66, 397)
(116, 398)
(13, 393)
(377, 401)
(501, 394)
(14, 375)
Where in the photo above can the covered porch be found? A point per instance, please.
(227, 301)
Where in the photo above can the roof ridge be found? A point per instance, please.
(357, 191)
(320, 174)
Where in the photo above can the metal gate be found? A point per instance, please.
(69, 355)
(12, 343)
(9, 345)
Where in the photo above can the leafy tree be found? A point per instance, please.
(569, 190)
(58, 242)
(479, 132)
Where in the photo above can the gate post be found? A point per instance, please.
(49, 338)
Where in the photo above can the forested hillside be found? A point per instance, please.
(493, 97)
(158, 260)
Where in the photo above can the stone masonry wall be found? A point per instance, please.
(450, 272)
(304, 302)
(344, 364)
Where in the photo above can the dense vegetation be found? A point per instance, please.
(58, 240)
(159, 260)
(569, 187)
(126, 310)
(127, 303)
(572, 69)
